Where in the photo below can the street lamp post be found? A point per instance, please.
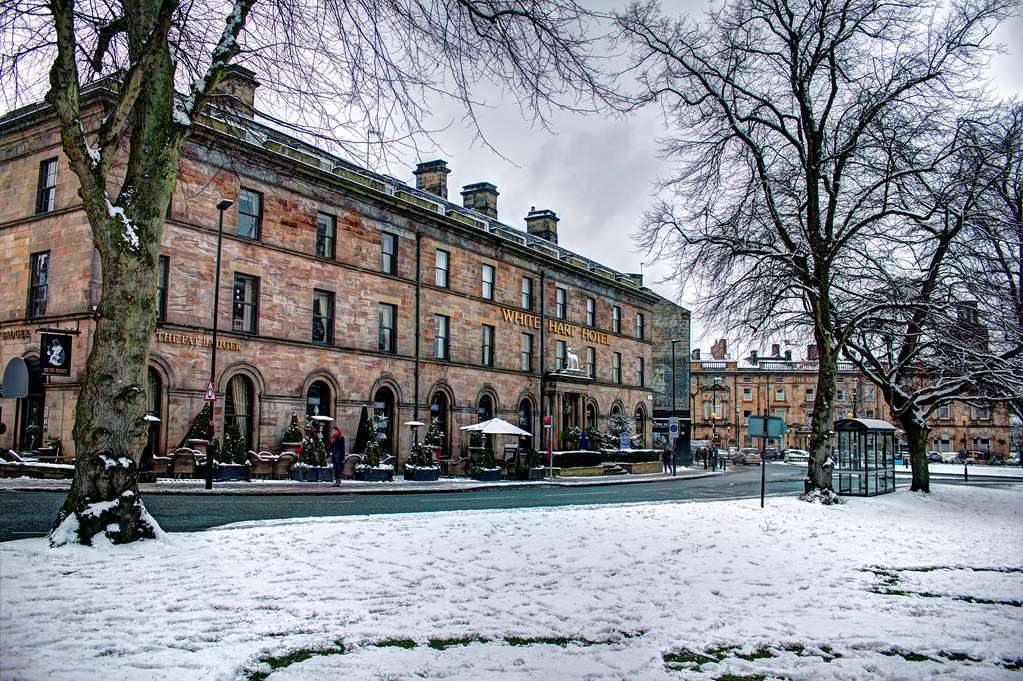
(223, 205)
(674, 407)
(966, 474)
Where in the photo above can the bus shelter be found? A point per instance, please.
(865, 457)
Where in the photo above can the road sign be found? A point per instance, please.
(211, 395)
(547, 420)
(774, 427)
(624, 441)
(673, 426)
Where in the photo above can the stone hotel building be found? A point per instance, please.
(340, 288)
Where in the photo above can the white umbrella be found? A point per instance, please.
(413, 424)
(321, 417)
(497, 427)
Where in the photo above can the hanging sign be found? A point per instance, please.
(55, 354)
(211, 395)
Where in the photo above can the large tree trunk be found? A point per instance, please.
(110, 428)
(819, 468)
(909, 418)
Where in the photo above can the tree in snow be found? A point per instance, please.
(926, 342)
(332, 70)
(790, 124)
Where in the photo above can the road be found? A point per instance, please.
(27, 514)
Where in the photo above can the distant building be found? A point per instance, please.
(725, 390)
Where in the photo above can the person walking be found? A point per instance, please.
(337, 453)
(666, 458)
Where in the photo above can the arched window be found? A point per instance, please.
(485, 410)
(318, 403)
(526, 415)
(591, 415)
(383, 406)
(440, 409)
(640, 418)
(154, 409)
(239, 409)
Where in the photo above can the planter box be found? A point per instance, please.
(293, 447)
(487, 476)
(422, 474)
(198, 445)
(643, 468)
(326, 473)
(231, 472)
(305, 474)
(534, 473)
(374, 474)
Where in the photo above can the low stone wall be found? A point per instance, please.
(643, 468)
(581, 472)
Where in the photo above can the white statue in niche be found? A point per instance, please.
(572, 361)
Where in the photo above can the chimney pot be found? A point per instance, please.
(775, 350)
(543, 223)
(481, 197)
(788, 355)
(811, 352)
(239, 84)
(696, 354)
(432, 177)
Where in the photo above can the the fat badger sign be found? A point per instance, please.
(55, 354)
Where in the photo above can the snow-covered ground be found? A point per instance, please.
(897, 587)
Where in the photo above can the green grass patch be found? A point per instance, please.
(758, 654)
(958, 657)
(406, 643)
(685, 659)
(908, 656)
(277, 662)
(797, 648)
(445, 643)
(1012, 663)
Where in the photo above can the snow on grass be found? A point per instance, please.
(901, 586)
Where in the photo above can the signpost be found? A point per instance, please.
(211, 395)
(550, 444)
(673, 438)
(765, 427)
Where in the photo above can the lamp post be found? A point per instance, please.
(674, 407)
(223, 205)
(966, 474)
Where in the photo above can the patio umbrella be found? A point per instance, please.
(497, 427)
(321, 417)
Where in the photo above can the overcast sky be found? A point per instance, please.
(598, 174)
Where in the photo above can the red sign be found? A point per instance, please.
(547, 420)
(210, 395)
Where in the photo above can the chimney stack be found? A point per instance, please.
(720, 349)
(788, 355)
(432, 177)
(811, 352)
(753, 355)
(696, 354)
(240, 84)
(775, 350)
(543, 223)
(481, 197)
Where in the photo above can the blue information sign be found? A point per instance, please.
(774, 427)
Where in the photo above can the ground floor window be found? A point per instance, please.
(440, 409)
(384, 408)
(239, 409)
(317, 403)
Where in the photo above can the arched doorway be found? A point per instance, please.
(383, 406)
(318, 403)
(154, 409)
(240, 409)
(31, 408)
(590, 416)
(526, 421)
(640, 424)
(440, 409)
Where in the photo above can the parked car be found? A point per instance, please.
(796, 456)
(771, 454)
(949, 457)
(1013, 459)
(748, 456)
(934, 456)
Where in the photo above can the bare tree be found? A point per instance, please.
(933, 342)
(793, 121)
(332, 67)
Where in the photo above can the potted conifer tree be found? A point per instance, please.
(230, 464)
(371, 470)
(420, 466)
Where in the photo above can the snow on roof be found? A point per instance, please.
(869, 424)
